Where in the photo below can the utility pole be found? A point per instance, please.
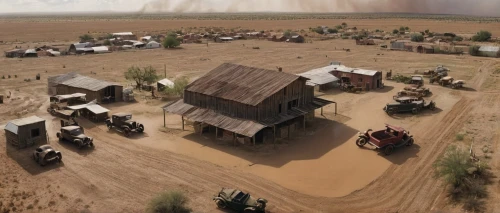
(165, 69)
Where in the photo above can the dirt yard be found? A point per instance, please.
(320, 170)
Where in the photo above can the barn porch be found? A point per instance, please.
(242, 130)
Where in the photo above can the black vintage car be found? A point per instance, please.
(408, 104)
(123, 121)
(239, 201)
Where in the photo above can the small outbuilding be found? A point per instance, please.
(161, 84)
(489, 51)
(153, 45)
(16, 53)
(223, 39)
(426, 49)
(366, 79)
(297, 39)
(100, 49)
(26, 132)
(91, 111)
(321, 77)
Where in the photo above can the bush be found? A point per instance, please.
(330, 30)
(107, 42)
(402, 29)
(395, 31)
(377, 30)
(482, 36)
(453, 166)
(287, 34)
(86, 37)
(338, 27)
(169, 202)
(427, 31)
(474, 205)
(417, 37)
(344, 25)
(171, 42)
(459, 137)
(474, 50)
(178, 89)
(458, 38)
(318, 30)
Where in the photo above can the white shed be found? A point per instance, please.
(489, 51)
(161, 84)
(153, 45)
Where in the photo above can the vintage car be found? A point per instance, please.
(457, 84)
(417, 81)
(408, 104)
(75, 134)
(124, 122)
(239, 201)
(387, 139)
(45, 154)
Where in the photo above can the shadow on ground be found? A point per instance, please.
(323, 136)
(24, 158)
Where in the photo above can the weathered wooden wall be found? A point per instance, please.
(24, 139)
(90, 95)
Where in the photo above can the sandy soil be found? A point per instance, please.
(318, 171)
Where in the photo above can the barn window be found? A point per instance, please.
(35, 133)
(279, 108)
(360, 80)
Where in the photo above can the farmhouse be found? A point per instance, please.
(427, 49)
(246, 101)
(26, 132)
(321, 77)
(99, 90)
(367, 79)
(125, 36)
(489, 51)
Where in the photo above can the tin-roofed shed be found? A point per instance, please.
(366, 79)
(489, 51)
(321, 77)
(102, 91)
(26, 132)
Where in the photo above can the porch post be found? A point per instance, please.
(304, 124)
(234, 139)
(216, 131)
(201, 128)
(321, 110)
(289, 132)
(253, 140)
(182, 123)
(164, 122)
(274, 134)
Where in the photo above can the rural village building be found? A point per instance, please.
(153, 45)
(125, 36)
(161, 84)
(98, 90)
(16, 53)
(403, 45)
(91, 111)
(26, 132)
(244, 101)
(30, 53)
(366, 79)
(426, 49)
(489, 51)
(297, 39)
(321, 77)
(223, 39)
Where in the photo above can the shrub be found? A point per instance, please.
(482, 36)
(475, 205)
(171, 42)
(417, 37)
(330, 30)
(458, 38)
(86, 37)
(318, 30)
(402, 29)
(377, 30)
(395, 31)
(338, 27)
(430, 34)
(453, 166)
(459, 137)
(407, 28)
(427, 31)
(344, 25)
(474, 50)
(178, 89)
(287, 33)
(169, 202)
(107, 42)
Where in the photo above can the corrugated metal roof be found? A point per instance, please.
(226, 38)
(489, 49)
(166, 82)
(75, 95)
(320, 76)
(81, 45)
(87, 83)
(146, 37)
(123, 33)
(14, 125)
(240, 126)
(247, 85)
(92, 106)
(61, 78)
(30, 51)
(345, 69)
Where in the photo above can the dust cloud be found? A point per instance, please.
(465, 7)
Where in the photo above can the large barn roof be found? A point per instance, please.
(247, 85)
(84, 82)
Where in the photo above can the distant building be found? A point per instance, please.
(16, 53)
(99, 90)
(403, 45)
(163, 83)
(426, 49)
(297, 39)
(321, 77)
(153, 45)
(366, 79)
(489, 51)
(125, 36)
(223, 39)
(30, 53)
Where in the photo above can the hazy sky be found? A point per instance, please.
(468, 7)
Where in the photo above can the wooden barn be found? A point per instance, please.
(366, 79)
(426, 49)
(99, 90)
(26, 132)
(246, 100)
(16, 53)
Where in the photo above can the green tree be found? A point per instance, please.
(169, 202)
(407, 28)
(402, 29)
(417, 37)
(171, 42)
(178, 88)
(482, 36)
(140, 76)
(395, 31)
(86, 37)
(106, 42)
(332, 30)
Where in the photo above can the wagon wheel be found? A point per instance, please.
(361, 142)
(220, 204)
(388, 150)
(140, 129)
(410, 142)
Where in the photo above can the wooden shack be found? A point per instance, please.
(26, 132)
(426, 49)
(102, 91)
(366, 79)
(92, 111)
(246, 100)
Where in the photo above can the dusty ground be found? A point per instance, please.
(320, 171)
